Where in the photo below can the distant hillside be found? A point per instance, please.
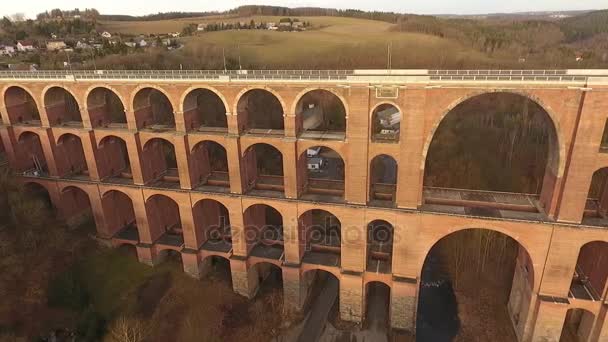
(585, 26)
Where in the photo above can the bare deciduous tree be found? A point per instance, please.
(128, 329)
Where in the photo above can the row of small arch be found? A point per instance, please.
(133, 95)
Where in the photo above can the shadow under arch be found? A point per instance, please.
(476, 271)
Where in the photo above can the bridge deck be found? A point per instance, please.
(482, 203)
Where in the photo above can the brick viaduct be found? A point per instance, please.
(58, 133)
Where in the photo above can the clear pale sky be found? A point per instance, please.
(32, 7)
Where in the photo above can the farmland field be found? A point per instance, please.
(332, 42)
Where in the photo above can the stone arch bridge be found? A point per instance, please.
(174, 160)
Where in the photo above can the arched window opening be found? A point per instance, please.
(321, 175)
(106, 109)
(171, 256)
(596, 206)
(164, 222)
(379, 246)
(260, 112)
(153, 110)
(70, 159)
(475, 271)
(21, 107)
(160, 164)
(386, 123)
(30, 156)
(383, 181)
(578, 326)
(377, 306)
(321, 114)
(114, 165)
(62, 108)
(120, 217)
(589, 278)
(263, 165)
(212, 222)
(205, 111)
(321, 231)
(209, 167)
(264, 231)
(517, 166)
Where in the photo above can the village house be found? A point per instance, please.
(201, 27)
(55, 45)
(7, 50)
(25, 46)
(106, 35)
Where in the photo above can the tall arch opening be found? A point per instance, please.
(114, 165)
(62, 108)
(321, 289)
(264, 231)
(209, 167)
(39, 193)
(377, 306)
(321, 174)
(591, 272)
(70, 157)
(120, 217)
(106, 109)
(205, 111)
(267, 279)
(320, 114)
(260, 112)
(383, 181)
(76, 206)
(21, 107)
(379, 246)
(212, 223)
(516, 168)
(596, 206)
(30, 155)
(386, 123)
(153, 110)
(159, 164)
(476, 284)
(321, 234)
(577, 326)
(263, 166)
(164, 221)
(218, 269)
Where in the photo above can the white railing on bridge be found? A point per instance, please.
(397, 75)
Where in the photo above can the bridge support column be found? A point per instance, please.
(147, 254)
(290, 165)
(351, 297)
(403, 303)
(181, 154)
(243, 283)
(294, 291)
(550, 318)
(233, 153)
(192, 265)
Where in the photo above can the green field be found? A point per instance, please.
(333, 42)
